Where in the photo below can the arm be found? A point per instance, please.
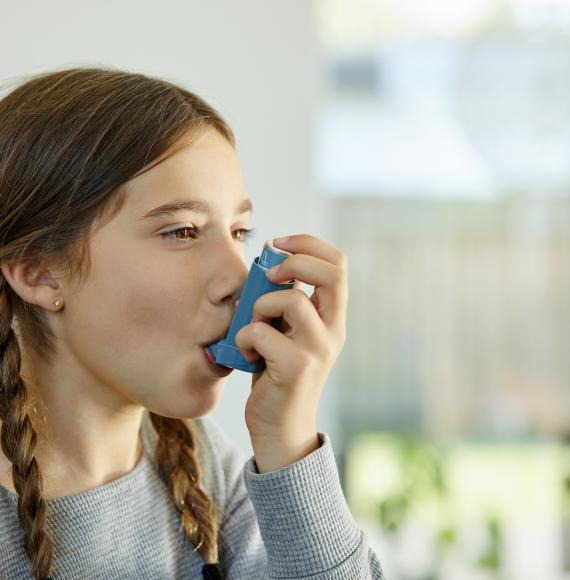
(290, 523)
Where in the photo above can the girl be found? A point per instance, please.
(122, 218)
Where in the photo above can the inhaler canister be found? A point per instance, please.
(225, 350)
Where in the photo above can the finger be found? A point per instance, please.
(330, 282)
(269, 343)
(283, 325)
(300, 315)
(297, 286)
(313, 246)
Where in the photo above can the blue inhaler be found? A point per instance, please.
(225, 351)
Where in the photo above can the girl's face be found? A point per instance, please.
(154, 296)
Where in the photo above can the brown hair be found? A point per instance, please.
(69, 140)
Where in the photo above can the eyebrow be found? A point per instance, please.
(195, 205)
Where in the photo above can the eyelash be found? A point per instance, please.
(171, 235)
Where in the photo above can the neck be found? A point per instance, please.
(83, 440)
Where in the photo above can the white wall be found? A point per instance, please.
(254, 60)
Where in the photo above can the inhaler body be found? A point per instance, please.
(225, 350)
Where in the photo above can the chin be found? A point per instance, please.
(199, 401)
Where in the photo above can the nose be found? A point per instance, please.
(227, 273)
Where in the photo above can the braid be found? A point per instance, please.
(175, 457)
(18, 440)
(178, 466)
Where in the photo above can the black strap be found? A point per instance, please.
(211, 572)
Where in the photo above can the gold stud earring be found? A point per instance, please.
(57, 302)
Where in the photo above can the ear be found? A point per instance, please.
(34, 284)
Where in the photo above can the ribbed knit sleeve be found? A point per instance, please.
(290, 523)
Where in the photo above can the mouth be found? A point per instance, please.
(218, 370)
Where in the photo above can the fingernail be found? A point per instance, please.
(269, 273)
(280, 240)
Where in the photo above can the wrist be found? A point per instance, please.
(272, 455)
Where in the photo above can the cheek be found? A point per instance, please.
(136, 332)
(138, 336)
(152, 306)
(137, 311)
(162, 316)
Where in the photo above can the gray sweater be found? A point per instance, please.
(290, 523)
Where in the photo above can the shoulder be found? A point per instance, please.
(216, 448)
(213, 434)
(210, 438)
(221, 460)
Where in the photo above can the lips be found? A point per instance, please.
(210, 356)
(219, 370)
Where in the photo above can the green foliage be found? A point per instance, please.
(423, 478)
(490, 559)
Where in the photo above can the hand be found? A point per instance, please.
(281, 411)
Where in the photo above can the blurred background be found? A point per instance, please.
(430, 141)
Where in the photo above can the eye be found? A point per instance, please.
(173, 234)
(245, 235)
(186, 234)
